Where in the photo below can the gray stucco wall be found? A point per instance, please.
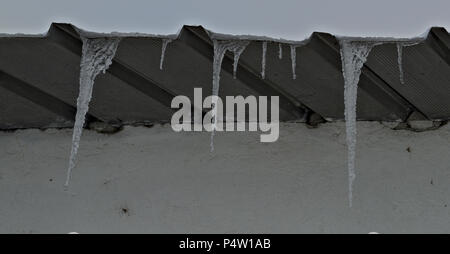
(158, 181)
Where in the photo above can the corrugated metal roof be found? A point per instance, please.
(39, 78)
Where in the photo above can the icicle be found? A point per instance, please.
(220, 48)
(263, 61)
(165, 42)
(400, 62)
(237, 51)
(280, 51)
(96, 57)
(353, 57)
(294, 60)
(219, 51)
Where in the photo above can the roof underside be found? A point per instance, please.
(39, 78)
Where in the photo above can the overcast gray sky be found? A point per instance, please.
(290, 19)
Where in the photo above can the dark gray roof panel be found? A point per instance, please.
(17, 112)
(39, 78)
(426, 74)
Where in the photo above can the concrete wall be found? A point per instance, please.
(158, 181)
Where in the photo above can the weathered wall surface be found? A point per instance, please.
(155, 180)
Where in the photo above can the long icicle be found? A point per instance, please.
(400, 62)
(220, 48)
(97, 55)
(353, 57)
(294, 61)
(263, 61)
(165, 42)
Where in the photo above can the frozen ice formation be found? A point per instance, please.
(400, 46)
(400, 62)
(263, 60)
(237, 51)
(294, 60)
(220, 48)
(97, 56)
(353, 56)
(165, 42)
(280, 51)
(354, 53)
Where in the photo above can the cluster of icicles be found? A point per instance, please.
(98, 54)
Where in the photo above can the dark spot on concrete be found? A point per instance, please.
(445, 205)
(431, 182)
(50, 180)
(125, 211)
(408, 149)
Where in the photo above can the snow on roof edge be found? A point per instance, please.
(223, 36)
